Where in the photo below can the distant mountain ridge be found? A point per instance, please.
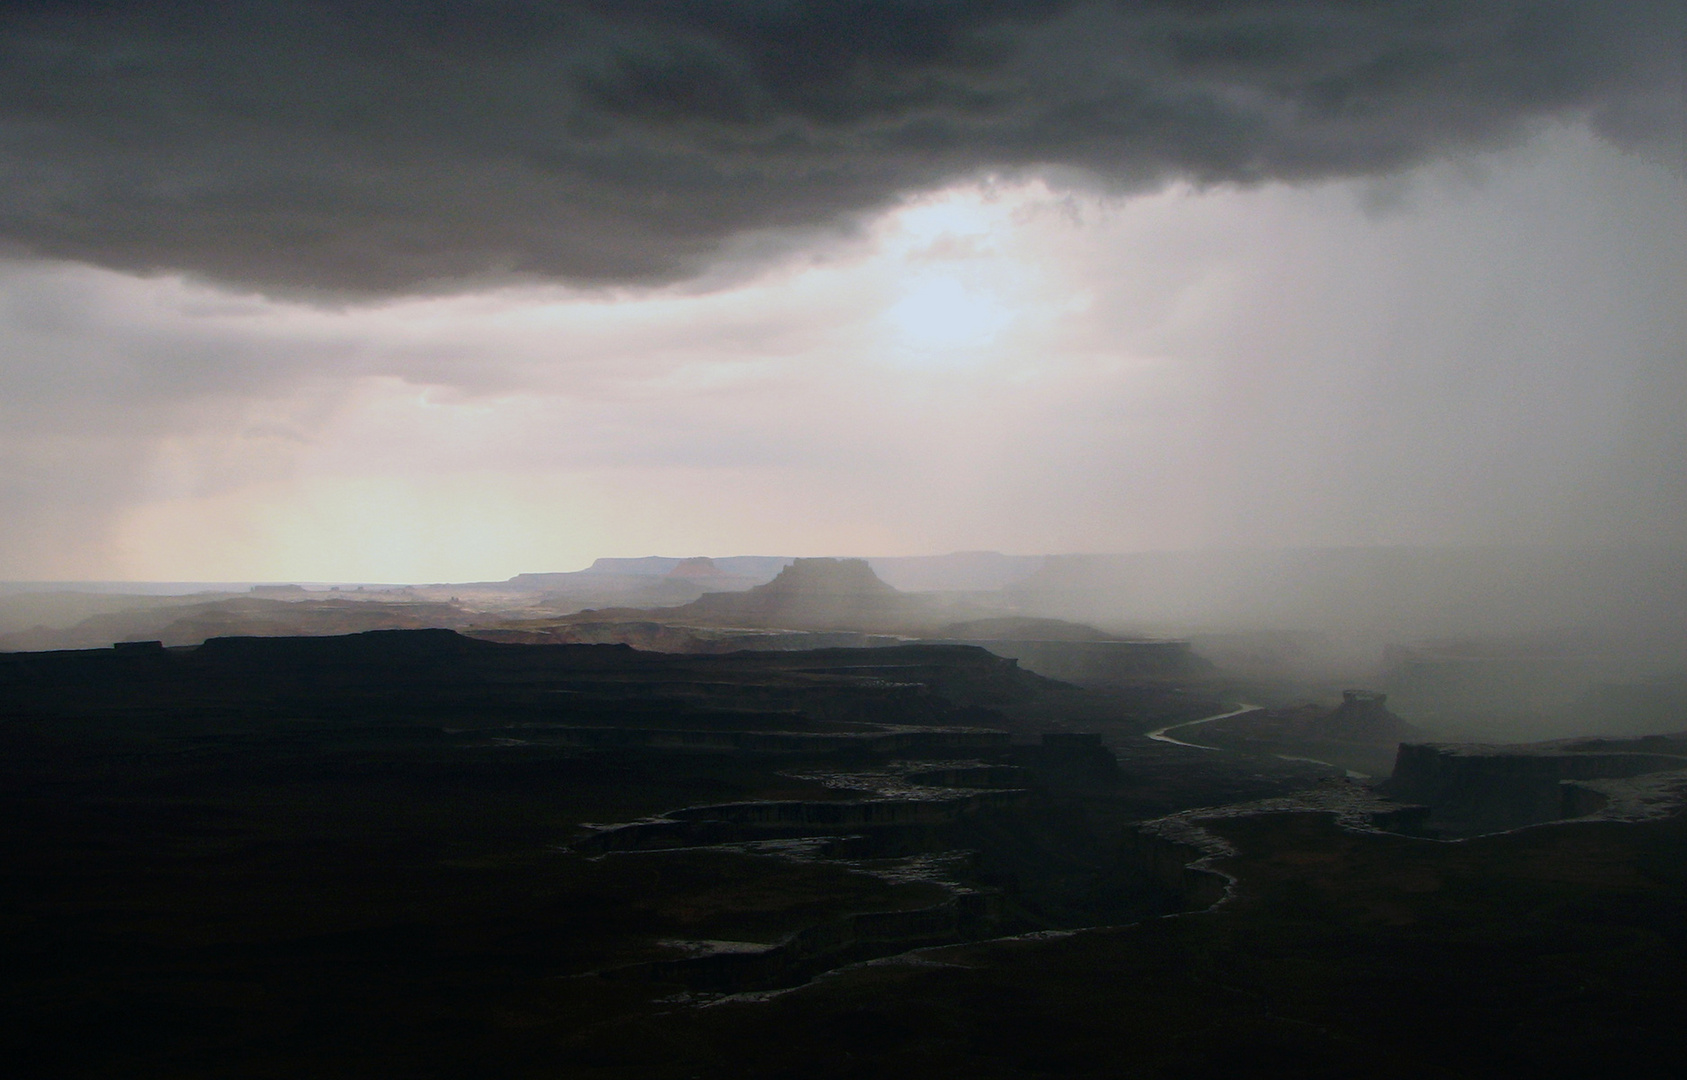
(190, 624)
(956, 571)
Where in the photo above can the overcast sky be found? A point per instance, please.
(451, 291)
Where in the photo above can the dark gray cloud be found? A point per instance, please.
(384, 146)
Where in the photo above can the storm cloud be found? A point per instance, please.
(370, 148)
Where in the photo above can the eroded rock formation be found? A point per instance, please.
(813, 594)
(1476, 788)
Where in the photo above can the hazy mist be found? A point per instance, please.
(407, 293)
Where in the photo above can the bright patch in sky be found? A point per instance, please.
(938, 312)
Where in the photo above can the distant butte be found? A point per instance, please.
(812, 594)
(701, 568)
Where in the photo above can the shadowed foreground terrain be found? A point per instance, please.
(419, 854)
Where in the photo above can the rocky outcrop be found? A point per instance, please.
(1076, 653)
(1102, 663)
(1363, 716)
(1476, 788)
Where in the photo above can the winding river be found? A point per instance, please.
(1161, 734)
(1164, 735)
